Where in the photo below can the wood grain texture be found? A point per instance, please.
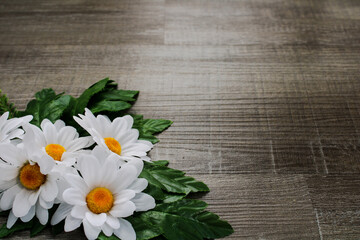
(264, 96)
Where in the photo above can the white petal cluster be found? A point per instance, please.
(121, 130)
(55, 134)
(9, 128)
(98, 188)
(24, 202)
(124, 185)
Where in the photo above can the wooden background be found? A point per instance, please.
(264, 96)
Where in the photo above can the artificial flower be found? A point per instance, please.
(9, 128)
(116, 136)
(103, 195)
(56, 141)
(28, 184)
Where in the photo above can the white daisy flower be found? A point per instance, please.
(56, 142)
(103, 196)
(117, 136)
(29, 186)
(9, 128)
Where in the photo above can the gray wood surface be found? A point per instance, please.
(264, 96)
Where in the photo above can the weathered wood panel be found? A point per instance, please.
(264, 96)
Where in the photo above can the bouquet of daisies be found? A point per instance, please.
(62, 167)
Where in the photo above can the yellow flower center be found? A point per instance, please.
(100, 200)
(31, 177)
(113, 145)
(55, 151)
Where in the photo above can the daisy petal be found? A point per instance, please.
(123, 210)
(33, 197)
(12, 124)
(113, 222)
(107, 230)
(91, 232)
(139, 185)
(8, 172)
(15, 133)
(10, 154)
(6, 185)
(21, 204)
(49, 190)
(30, 215)
(71, 223)
(63, 210)
(138, 164)
(59, 124)
(143, 202)
(3, 118)
(49, 131)
(124, 196)
(96, 219)
(79, 143)
(129, 120)
(88, 166)
(8, 197)
(126, 230)
(135, 149)
(45, 162)
(146, 143)
(11, 220)
(126, 176)
(45, 204)
(74, 197)
(107, 171)
(79, 211)
(42, 214)
(77, 182)
(131, 136)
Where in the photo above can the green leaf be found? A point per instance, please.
(153, 126)
(148, 137)
(161, 237)
(83, 100)
(144, 230)
(155, 192)
(189, 222)
(102, 236)
(5, 106)
(36, 228)
(18, 226)
(184, 207)
(216, 227)
(55, 108)
(172, 197)
(148, 127)
(47, 94)
(111, 106)
(161, 162)
(46, 105)
(171, 180)
(118, 95)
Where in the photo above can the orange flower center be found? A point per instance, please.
(113, 145)
(100, 200)
(31, 177)
(55, 151)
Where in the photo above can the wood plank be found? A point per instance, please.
(113, 23)
(262, 22)
(290, 118)
(264, 96)
(336, 203)
(259, 206)
(263, 206)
